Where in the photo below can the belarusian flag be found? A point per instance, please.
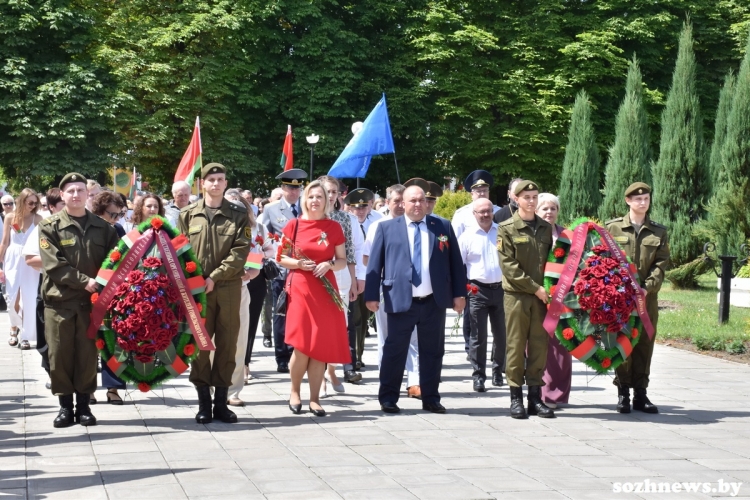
(254, 261)
(287, 154)
(192, 160)
(133, 186)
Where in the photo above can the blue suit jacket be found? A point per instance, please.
(390, 265)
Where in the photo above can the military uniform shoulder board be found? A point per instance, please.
(661, 226)
(238, 208)
(189, 207)
(506, 222)
(610, 221)
(49, 220)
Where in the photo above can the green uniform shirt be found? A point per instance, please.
(72, 254)
(220, 244)
(523, 253)
(648, 250)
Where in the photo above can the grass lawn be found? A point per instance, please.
(692, 315)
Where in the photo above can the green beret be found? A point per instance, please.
(359, 197)
(525, 186)
(213, 168)
(637, 188)
(71, 177)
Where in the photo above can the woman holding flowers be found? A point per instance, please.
(559, 368)
(313, 249)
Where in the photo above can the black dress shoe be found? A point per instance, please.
(267, 342)
(296, 409)
(497, 379)
(433, 407)
(478, 385)
(282, 368)
(390, 407)
(317, 413)
(642, 403)
(351, 376)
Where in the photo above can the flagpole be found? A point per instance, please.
(398, 177)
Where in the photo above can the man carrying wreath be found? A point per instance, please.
(523, 242)
(646, 244)
(73, 244)
(219, 234)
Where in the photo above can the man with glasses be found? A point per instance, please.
(478, 246)
(8, 204)
(275, 217)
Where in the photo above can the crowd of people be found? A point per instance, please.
(336, 261)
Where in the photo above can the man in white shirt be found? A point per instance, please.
(180, 199)
(478, 246)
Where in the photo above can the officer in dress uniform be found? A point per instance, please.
(73, 244)
(358, 200)
(275, 217)
(646, 244)
(523, 242)
(220, 236)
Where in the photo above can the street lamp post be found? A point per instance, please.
(312, 140)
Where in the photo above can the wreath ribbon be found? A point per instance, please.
(569, 271)
(130, 261)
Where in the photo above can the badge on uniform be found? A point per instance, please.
(43, 243)
(281, 220)
(65, 243)
(248, 233)
(622, 239)
(520, 239)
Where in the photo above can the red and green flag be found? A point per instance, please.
(133, 185)
(192, 161)
(287, 154)
(254, 261)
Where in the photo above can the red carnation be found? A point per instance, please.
(115, 256)
(94, 297)
(606, 363)
(99, 344)
(188, 350)
(152, 262)
(199, 306)
(191, 267)
(568, 333)
(559, 253)
(144, 387)
(634, 333)
(474, 289)
(157, 223)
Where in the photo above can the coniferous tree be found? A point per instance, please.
(579, 184)
(720, 131)
(630, 155)
(728, 222)
(681, 174)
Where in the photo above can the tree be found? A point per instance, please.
(57, 103)
(630, 155)
(579, 183)
(681, 179)
(735, 153)
(720, 131)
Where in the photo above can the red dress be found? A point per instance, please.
(314, 325)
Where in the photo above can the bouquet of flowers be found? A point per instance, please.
(286, 248)
(597, 310)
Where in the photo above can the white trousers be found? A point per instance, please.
(412, 358)
(238, 375)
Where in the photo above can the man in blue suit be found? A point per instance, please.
(417, 260)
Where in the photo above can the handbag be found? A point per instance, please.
(270, 269)
(283, 300)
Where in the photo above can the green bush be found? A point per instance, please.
(450, 202)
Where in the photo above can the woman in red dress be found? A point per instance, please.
(315, 326)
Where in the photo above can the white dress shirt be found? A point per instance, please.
(463, 218)
(367, 247)
(479, 252)
(425, 288)
(358, 240)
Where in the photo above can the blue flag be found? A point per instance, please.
(374, 138)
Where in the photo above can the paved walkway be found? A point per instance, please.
(152, 448)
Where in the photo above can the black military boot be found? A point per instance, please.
(623, 399)
(65, 416)
(536, 406)
(641, 402)
(83, 412)
(516, 403)
(204, 405)
(221, 412)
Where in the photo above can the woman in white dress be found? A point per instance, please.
(21, 280)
